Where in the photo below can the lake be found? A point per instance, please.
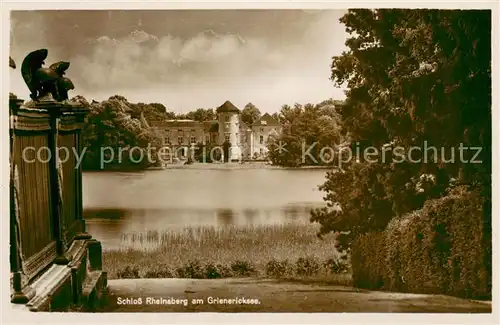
(173, 199)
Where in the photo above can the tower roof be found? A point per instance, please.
(227, 107)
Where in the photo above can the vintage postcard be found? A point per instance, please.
(329, 161)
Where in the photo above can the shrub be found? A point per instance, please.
(193, 270)
(368, 261)
(407, 251)
(162, 271)
(307, 266)
(336, 266)
(443, 248)
(460, 254)
(242, 268)
(217, 271)
(129, 273)
(276, 268)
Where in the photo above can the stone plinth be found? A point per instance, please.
(60, 270)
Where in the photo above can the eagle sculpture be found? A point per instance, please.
(43, 81)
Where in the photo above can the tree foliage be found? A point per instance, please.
(199, 115)
(440, 248)
(152, 112)
(110, 124)
(250, 113)
(415, 78)
(306, 129)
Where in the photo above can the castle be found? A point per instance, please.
(246, 141)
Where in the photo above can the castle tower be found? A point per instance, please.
(229, 120)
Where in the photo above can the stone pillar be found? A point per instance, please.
(51, 273)
(250, 140)
(80, 119)
(252, 143)
(54, 110)
(95, 254)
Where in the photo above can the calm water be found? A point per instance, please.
(172, 199)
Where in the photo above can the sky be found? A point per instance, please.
(187, 59)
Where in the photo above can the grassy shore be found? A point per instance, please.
(279, 251)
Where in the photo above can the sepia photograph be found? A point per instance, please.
(250, 161)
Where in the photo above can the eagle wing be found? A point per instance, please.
(67, 83)
(31, 63)
(60, 67)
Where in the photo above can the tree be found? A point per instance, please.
(201, 115)
(306, 131)
(110, 124)
(250, 114)
(159, 107)
(152, 112)
(414, 77)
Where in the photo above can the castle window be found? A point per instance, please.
(261, 140)
(193, 139)
(207, 139)
(228, 125)
(227, 137)
(261, 129)
(227, 118)
(166, 140)
(180, 140)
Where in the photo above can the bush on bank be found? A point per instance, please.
(367, 259)
(442, 248)
(195, 269)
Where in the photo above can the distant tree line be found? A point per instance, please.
(116, 123)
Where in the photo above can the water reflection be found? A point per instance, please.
(292, 212)
(106, 213)
(225, 217)
(250, 215)
(172, 200)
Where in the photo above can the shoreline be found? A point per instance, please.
(237, 165)
(210, 166)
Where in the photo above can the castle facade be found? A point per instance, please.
(246, 142)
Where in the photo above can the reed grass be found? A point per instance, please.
(224, 251)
